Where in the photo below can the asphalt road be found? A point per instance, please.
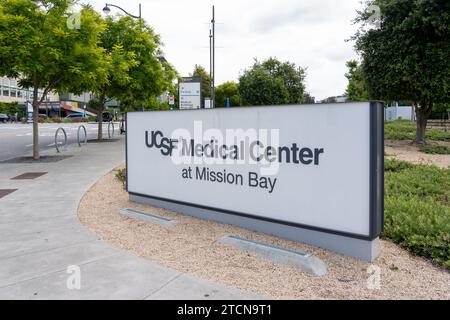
(17, 139)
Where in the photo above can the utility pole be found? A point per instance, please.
(213, 58)
(211, 88)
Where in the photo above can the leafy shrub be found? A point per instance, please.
(10, 108)
(417, 211)
(121, 174)
(435, 149)
(421, 181)
(396, 166)
(406, 130)
(56, 120)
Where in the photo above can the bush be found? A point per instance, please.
(121, 174)
(56, 120)
(406, 130)
(435, 149)
(420, 225)
(396, 166)
(421, 181)
(417, 211)
(10, 108)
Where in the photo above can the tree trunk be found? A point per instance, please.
(36, 153)
(100, 116)
(422, 114)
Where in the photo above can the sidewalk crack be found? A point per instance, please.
(163, 286)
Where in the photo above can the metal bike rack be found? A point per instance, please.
(110, 124)
(85, 135)
(56, 138)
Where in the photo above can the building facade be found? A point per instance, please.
(11, 92)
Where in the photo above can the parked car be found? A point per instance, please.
(4, 118)
(77, 116)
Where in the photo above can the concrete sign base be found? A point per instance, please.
(357, 248)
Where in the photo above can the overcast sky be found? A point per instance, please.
(310, 33)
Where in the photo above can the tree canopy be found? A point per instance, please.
(227, 90)
(272, 82)
(40, 47)
(114, 57)
(37, 45)
(356, 88)
(407, 57)
(308, 98)
(136, 72)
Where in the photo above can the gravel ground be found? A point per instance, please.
(405, 151)
(191, 246)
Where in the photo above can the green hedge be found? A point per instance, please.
(417, 209)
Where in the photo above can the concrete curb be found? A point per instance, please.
(302, 260)
(150, 217)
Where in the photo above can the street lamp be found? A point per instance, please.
(107, 10)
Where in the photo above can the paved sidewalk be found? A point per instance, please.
(41, 236)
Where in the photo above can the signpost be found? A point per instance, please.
(190, 93)
(29, 113)
(171, 101)
(208, 102)
(310, 173)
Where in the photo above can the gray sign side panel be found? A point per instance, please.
(376, 168)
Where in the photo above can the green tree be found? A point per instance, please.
(10, 108)
(41, 47)
(356, 88)
(272, 82)
(441, 110)
(201, 72)
(227, 90)
(135, 73)
(407, 57)
(292, 76)
(309, 99)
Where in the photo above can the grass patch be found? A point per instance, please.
(417, 211)
(435, 149)
(406, 130)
